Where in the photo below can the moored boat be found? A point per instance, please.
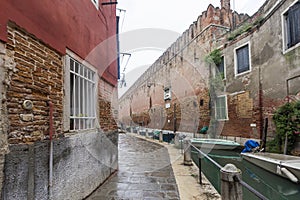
(214, 143)
(282, 165)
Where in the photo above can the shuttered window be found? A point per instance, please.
(242, 62)
(292, 25)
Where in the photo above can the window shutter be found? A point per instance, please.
(293, 25)
(243, 59)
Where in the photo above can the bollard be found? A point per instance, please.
(147, 133)
(160, 136)
(176, 139)
(131, 129)
(231, 188)
(187, 156)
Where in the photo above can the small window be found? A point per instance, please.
(291, 26)
(82, 96)
(220, 68)
(96, 3)
(167, 93)
(221, 108)
(242, 59)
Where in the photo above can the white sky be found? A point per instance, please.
(171, 15)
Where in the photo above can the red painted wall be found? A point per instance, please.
(73, 24)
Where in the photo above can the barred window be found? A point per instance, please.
(82, 96)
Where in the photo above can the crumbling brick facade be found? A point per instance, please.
(251, 97)
(35, 74)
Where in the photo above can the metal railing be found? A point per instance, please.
(236, 178)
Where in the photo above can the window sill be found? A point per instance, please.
(291, 49)
(243, 73)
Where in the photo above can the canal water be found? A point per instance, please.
(270, 185)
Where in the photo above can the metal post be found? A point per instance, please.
(187, 157)
(200, 168)
(231, 188)
(147, 133)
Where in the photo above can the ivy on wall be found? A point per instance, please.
(287, 121)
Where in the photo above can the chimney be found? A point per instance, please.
(225, 4)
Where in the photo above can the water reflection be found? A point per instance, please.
(270, 185)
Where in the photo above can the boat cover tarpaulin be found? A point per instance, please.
(249, 145)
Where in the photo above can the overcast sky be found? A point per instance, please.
(174, 16)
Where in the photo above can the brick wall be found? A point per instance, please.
(108, 107)
(36, 75)
(34, 72)
(252, 96)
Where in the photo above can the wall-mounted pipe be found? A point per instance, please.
(51, 147)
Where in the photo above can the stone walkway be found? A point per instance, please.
(145, 172)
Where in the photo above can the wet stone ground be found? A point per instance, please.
(144, 173)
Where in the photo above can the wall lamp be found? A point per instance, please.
(109, 3)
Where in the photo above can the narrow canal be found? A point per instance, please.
(271, 186)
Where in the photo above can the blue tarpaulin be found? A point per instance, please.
(249, 145)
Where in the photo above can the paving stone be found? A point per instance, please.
(144, 172)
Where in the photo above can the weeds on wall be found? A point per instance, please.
(216, 81)
(245, 28)
(287, 120)
(214, 57)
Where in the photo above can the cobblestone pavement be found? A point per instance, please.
(144, 173)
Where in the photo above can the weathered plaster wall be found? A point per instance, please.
(77, 25)
(3, 121)
(77, 161)
(266, 83)
(251, 97)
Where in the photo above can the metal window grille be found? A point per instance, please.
(82, 96)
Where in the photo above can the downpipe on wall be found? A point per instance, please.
(51, 148)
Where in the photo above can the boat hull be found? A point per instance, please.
(275, 163)
(217, 144)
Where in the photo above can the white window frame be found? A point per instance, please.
(285, 49)
(87, 120)
(235, 59)
(96, 3)
(226, 108)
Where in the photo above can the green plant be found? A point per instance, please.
(214, 57)
(287, 120)
(242, 29)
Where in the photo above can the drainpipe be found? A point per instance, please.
(51, 147)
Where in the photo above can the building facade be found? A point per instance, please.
(228, 71)
(58, 64)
